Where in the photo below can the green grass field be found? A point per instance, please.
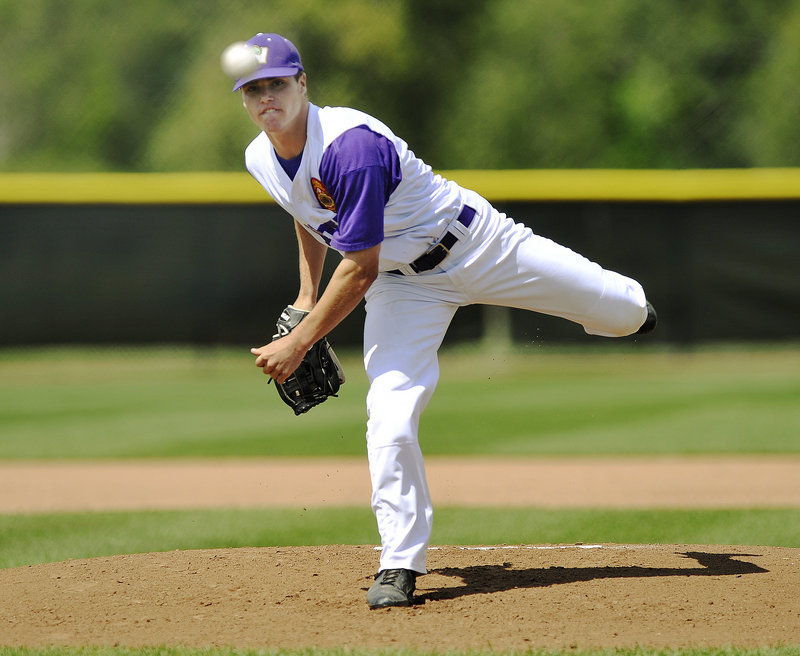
(64, 403)
(38, 538)
(148, 403)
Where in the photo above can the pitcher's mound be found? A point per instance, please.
(506, 597)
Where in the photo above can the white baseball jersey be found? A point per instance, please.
(343, 146)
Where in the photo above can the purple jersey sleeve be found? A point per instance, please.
(360, 169)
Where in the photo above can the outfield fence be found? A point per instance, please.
(208, 258)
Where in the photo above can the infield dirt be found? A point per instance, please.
(499, 597)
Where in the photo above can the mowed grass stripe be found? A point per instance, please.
(30, 539)
(155, 403)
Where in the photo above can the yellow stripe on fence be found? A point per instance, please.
(511, 185)
(130, 188)
(633, 185)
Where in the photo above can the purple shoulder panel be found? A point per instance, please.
(360, 170)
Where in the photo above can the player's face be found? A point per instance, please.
(276, 104)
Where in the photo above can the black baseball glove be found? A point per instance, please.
(319, 375)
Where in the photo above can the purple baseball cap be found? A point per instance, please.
(278, 57)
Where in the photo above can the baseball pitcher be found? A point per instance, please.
(417, 247)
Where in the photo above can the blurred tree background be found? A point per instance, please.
(108, 85)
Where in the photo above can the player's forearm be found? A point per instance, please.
(311, 260)
(350, 281)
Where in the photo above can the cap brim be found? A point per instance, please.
(264, 72)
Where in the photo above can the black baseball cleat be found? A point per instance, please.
(392, 587)
(649, 324)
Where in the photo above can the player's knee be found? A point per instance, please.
(393, 417)
(625, 320)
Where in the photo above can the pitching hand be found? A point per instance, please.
(279, 359)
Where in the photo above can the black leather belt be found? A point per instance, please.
(436, 254)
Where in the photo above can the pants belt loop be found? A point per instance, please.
(406, 270)
(458, 229)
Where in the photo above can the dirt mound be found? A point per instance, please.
(513, 597)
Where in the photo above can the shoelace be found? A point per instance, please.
(390, 576)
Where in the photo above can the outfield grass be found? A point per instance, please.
(101, 403)
(39, 538)
(151, 403)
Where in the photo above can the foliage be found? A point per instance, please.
(99, 85)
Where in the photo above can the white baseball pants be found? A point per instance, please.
(497, 262)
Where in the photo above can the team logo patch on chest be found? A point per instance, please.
(323, 197)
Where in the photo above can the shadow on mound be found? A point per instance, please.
(483, 579)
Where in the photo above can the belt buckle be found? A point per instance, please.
(430, 258)
(437, 248)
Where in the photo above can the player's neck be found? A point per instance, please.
(290, 142)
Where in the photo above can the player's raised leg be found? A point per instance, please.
(524, 270)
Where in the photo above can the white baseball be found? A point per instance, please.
(239, 59)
